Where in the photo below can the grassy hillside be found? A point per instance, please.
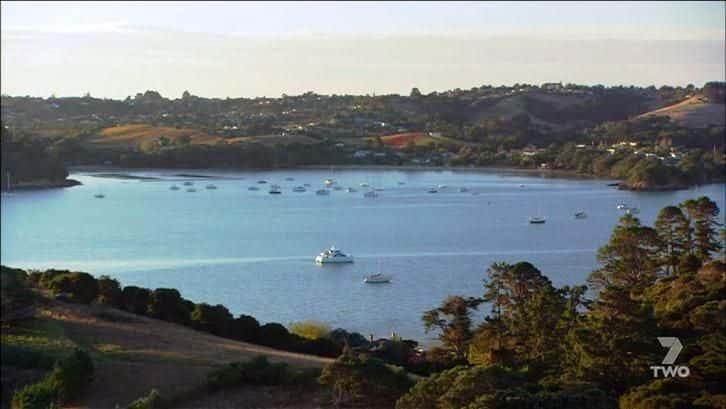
(134, 135)
(694, 112)
(134, 354)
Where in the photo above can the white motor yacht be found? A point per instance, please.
(364, 184)
(537, 220)
(377, 278)
(333, 256)
(329, 182)
(622, 206)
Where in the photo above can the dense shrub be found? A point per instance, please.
(215, 319)
(319, 346)
(353, 339)
(66, 382)
(82, 287)
(109, 291)
(40, 395)
(258, 371)
(275, 335)
(166, 304)
(135, 299)
(245, 328)
(357, 378)
(15, 290)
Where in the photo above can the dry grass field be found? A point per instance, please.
(134, 354)
(694, 112)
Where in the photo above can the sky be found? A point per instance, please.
(250, 49)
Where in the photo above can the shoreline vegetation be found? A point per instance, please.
(629, 134)
(538, 345)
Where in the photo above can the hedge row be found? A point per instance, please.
(167, 304)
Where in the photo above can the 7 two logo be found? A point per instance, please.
(669, 370)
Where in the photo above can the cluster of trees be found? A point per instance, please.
(28, 159)
(547, 347)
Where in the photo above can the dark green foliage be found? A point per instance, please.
(453, 320)
(257, 371)
(83, 287)
(275, 335)
(40, 395)
(28, 159)
(245, 328)
(214, 319)
(342, 337)
(15, 291)
(109, 291)
(135, 299)
(166, 304)
(355, 378)
(69, 378)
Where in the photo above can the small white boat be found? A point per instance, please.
(364, 184)
(275, 190)
(329, 182)
(253, 188)
(537, 220)
(370, 193)
(210, 187)
(333, 256)
(322, 192)
(622, 206)
(188, 183)
(377, 278)
(99, 196)
(580, 215)
(463, 189)
(298, 189)
(174, 187)
(350, 190)
(442, 186)
(432, 190)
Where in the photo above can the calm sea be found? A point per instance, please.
(253, 252)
